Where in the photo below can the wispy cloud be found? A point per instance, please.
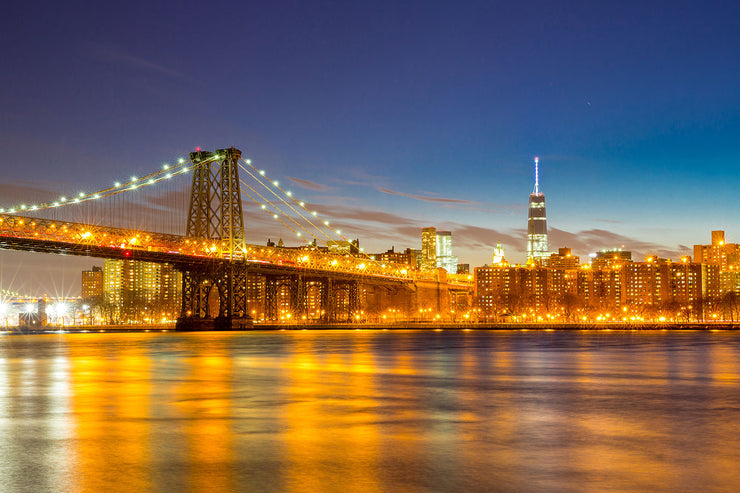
(610, 221)
(310, 185)
(426, 198)
(115, 56)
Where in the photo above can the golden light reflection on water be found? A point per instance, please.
(110, 398)
(371, 411)
(203, 399)
(329, 420)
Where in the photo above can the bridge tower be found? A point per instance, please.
(215, 213)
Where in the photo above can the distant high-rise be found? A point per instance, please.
(537, 247)
(428, 248)
(445, 259)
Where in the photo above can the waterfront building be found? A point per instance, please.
(141, 291)
(730, 281)
(92, 283)
(537, 243)
(719, 252)
(564, 259)
(608, 258)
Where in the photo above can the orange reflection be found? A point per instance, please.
(329, 419)
(203, 402)
(110, 399)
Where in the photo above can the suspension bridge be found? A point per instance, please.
(216, 262)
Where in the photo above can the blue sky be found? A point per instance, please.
(392, 116)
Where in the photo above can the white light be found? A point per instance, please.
(133, 178)
(168, 175)
(326, 223)
(289, 193)
(96, 196)
(2, 210)
(117, 184)
(30, 308)
(262, 172)
(298, 233)
(62, 199)
(11, 210)
(76, 200)
(275, 183)
(33, 207)
(55, 204)
(151, 181)
(275, 216)
(165, 166)
(23, 207)
(81, 194)
(133, 187)
(181, 160)
(314, 212)
(339, 232)
(263, 206)
(248, 161)
(303, 204)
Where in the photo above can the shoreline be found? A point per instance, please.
(272, 327)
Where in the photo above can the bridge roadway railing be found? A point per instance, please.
(51, 236)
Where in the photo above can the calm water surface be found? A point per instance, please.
(371, 411)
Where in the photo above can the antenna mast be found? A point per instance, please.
(536, 175)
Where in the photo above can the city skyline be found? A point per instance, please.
(632, 110)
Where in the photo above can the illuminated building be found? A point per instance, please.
(343, 247)
(498, 255)
(428, 248)
(606, 259)
(537, 246)
(493, 288)
(729, 281)
(503, 289)
(256, 296)
(444, 257)
(141, 291)
(407, 257)
(720, 252)
(92, 283)
(564, 259)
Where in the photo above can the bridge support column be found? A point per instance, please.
(230, 281)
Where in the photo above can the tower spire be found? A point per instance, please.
(537, 247)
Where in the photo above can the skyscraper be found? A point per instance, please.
(537, 224)
(445, 259)
(428, 248)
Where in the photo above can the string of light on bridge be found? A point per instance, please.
(182, 166)
(265, 200)
(167, 172)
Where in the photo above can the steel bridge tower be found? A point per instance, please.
(215, 217)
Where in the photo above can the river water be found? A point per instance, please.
(371, 411)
